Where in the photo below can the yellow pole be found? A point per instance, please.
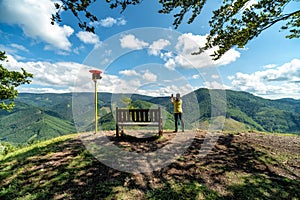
(96, 107)
(96, 74)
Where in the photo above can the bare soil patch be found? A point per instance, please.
(239, 166)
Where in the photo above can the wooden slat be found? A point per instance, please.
(138, 117)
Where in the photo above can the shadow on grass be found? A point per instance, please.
(66, 170)
(258, 186)
(61, 170)
(248, 173)
(232, 170)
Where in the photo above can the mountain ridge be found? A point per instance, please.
(43, 116)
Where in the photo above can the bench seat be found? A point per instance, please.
(138, 123)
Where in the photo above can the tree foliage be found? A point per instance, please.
(9, 80)
(233, 24)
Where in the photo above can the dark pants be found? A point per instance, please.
(178, 116)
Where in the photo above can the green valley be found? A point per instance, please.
(43, 116)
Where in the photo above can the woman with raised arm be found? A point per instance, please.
(177, 102)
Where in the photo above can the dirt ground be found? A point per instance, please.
(210, 166)
(232, 157)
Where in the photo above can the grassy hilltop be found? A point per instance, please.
(240, 166)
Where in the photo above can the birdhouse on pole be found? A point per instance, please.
(96, 74)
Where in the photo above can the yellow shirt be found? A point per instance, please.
(177, 106)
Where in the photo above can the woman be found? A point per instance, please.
(177, 111)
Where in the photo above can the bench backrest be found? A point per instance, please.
(138, 115)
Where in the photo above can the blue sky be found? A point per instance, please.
(140, 51)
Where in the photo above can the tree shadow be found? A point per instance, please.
(248, 172)
(233, 169)
(260, 186)
(61, 170)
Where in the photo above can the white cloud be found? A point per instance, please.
(62, 77)
(157, 46)
(129, 73)
(170, 64)
(282, 81)
(149, 76)
(14, 49)
(197, 76)
(121, 21)
(43, 90)
(185, 46)
(183, 89)
(229, 57)
(88, 38)
(215, 85)
(109, 22)
(131, 42)
(270, 66)
(48, 77)
(153, 80)
(166, 90)
(19, 47)
(146, 76)
(33, 17)
(77, 50)
(215, 76)
(189, 43)
(114, 84)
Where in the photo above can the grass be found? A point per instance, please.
(173, 190)
(36, 147)
(62, 168)
(260, 186)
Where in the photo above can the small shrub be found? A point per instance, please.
(6, 147)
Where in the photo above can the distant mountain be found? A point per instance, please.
(255, 113)
(270, 115)
(27, 123)
(44, 116)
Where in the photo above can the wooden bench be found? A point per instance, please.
(138, 117)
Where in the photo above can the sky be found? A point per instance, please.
(139, 51)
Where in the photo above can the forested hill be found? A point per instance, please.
(255, 112)
(271, 115)
(44, 116)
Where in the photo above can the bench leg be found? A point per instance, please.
(160, 133)
(160, 130)
(117, 131)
